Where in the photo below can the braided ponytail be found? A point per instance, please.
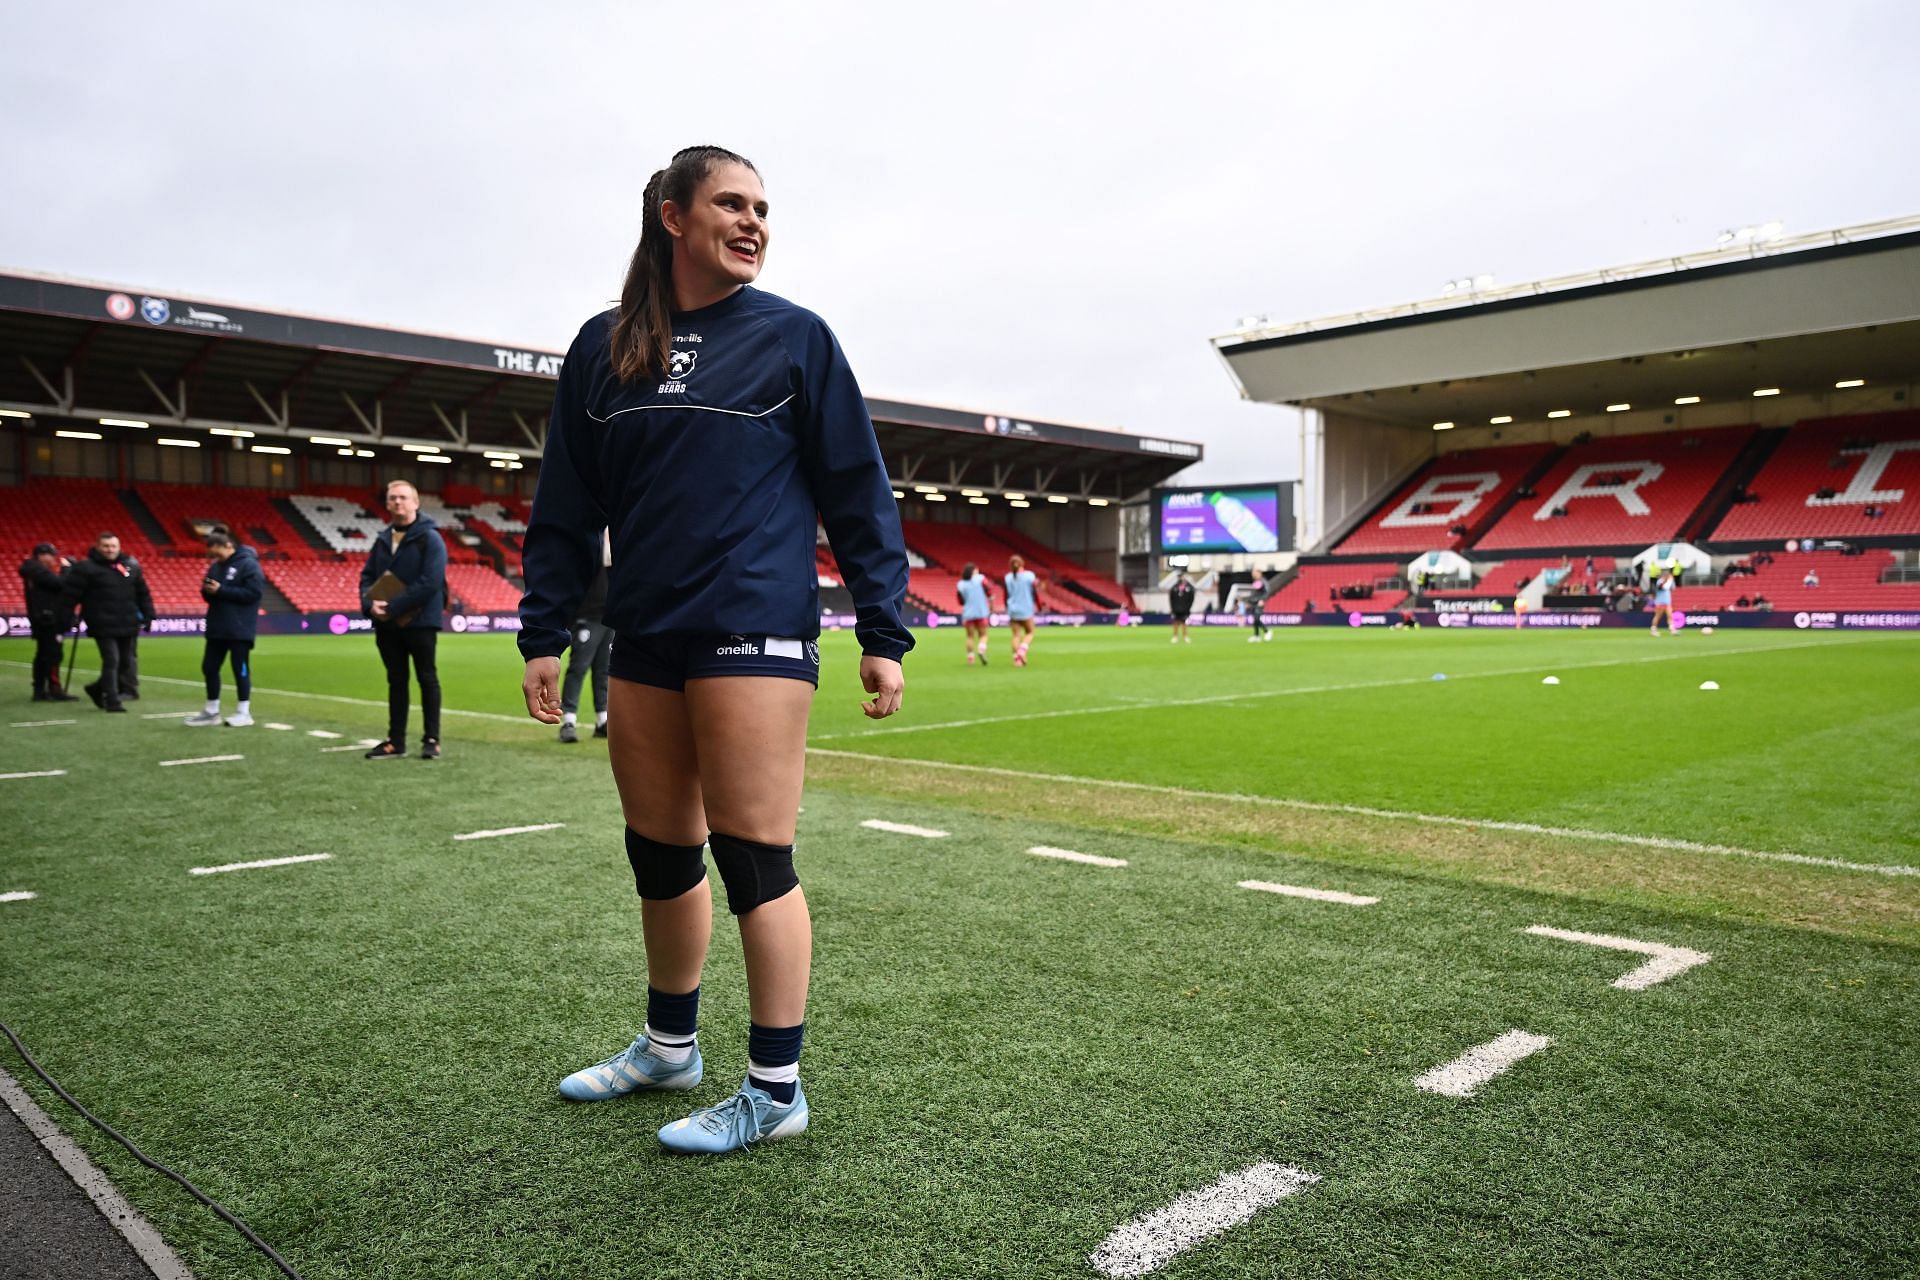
(642, 339)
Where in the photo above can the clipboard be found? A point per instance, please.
(388, 587)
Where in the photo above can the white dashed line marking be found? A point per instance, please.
(39, 724)
(1300, 891)
(324, 733)
(903, 829)
(165, 715)
(1459, 1078)
(1367, 811)
(254, 866)
(18, 895)
(361, 745)
(1667, 962)
(168, 764)
(1068, 855)
(274, 724)
(1152, 1240)
(38, 773)
(510, 831)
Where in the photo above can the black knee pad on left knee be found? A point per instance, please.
(662, 871)
(753, 873)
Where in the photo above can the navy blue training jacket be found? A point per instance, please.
(233, 612)
(421, 563)
(709, 480)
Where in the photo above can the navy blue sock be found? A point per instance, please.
(773, 1059)
(673, 1015)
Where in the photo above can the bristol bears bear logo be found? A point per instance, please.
(155, 310)
(680, 364)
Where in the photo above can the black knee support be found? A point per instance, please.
(663, 871)
(753, 873)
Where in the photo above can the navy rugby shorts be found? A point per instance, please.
(669, 661)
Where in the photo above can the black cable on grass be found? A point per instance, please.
(144, 1159)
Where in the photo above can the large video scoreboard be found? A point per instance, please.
(1225, 518)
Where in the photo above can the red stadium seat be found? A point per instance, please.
(1457, 489)
(1625, 491)
(1869, 462)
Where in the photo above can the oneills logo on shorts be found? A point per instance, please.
(740, 647)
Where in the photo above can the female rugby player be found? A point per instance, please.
(1662, 604)
(1020, 604)
(703, 423)
(975, 609)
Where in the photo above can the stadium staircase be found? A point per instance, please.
(1732, 482)
(143, 517)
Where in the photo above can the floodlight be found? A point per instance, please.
(78, 435)
(1849, 382)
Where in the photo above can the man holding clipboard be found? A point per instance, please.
(403, 589)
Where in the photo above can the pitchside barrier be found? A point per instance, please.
(341, 624)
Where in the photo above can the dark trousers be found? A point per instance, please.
(398, 646)
(593, 653)
(119, 668)
(46, 660)
(218, 652)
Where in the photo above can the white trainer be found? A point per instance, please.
(201, 719)
(239, 720)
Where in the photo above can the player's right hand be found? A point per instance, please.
(541, 685)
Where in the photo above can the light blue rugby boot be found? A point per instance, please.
(634, 1068)
(746, 1119)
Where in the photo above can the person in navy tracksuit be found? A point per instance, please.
(233, 587)
(707, 425)
(407, 627)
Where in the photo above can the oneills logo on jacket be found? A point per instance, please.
(740, 646)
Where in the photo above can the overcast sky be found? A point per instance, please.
(1039, 209)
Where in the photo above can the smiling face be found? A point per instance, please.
(719, 238)
(109, 546)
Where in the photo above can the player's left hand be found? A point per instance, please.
(882, 678)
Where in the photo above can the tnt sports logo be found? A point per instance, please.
(155, 310)
(680, 364)
(120, 306)
(741, 647)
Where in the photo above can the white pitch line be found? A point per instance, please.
(378, 704)
(1667, 962)
(273, 724)
(1459, 1078)
(361, 745)
(254, 866)
(1068, 855)
(165, 715)
(37, 773)
(1403, 815)
(39, 724)
(510, 831)
(324, 733)
(168, 764)
(136, 1230)
(18, 895)
(903, 829)
(1244, 695)
(1149, 1242)
(1301, 891)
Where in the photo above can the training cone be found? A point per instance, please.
(1551, 680)
(1709, 684)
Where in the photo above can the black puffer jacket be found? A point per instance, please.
(112, 594)
(48, 607)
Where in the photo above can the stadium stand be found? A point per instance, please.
(1328, 587)
(1051, 566)
(1826, 479)
(1850, 582)
(1618, 493)
(475, 588)
(1465, 491)
(947, 548)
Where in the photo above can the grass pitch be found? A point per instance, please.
(1008, 1057)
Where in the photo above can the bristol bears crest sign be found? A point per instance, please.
(680, 364)
(155, 310)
